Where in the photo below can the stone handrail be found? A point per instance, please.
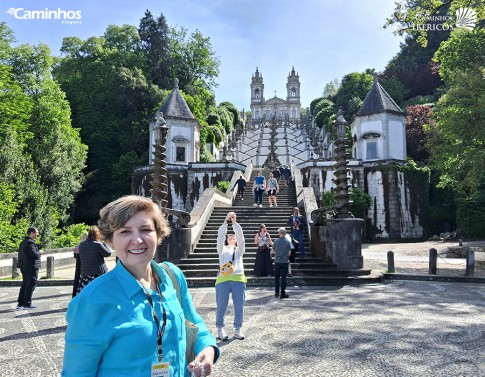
(202, 211)
(305, 196)
(211, 198)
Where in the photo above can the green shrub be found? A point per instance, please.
(223, 185)
(361, 202)
(69, 236)
(328, 198)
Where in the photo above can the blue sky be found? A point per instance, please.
(322, 39)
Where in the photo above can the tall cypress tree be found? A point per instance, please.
(155, 42)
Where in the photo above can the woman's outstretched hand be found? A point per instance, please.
(202, 365)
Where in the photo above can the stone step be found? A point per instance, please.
(201, 266)
(296, 272)
(298, 281)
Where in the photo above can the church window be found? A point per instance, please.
(293, 114)
(256, 114)
(293, 92)
(372, 150)
(180, 154)
(257, 93)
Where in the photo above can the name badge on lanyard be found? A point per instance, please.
(160, 370)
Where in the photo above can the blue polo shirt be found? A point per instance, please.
(111, 331)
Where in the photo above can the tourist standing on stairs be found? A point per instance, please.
(241, 185)
(287, 174)
(297, 223)
(292, 255)
(273, 189)
(258, 188)
(282, 250)
(277, 174)
(230, 249)
(264, 264)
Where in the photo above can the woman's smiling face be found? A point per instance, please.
(136, 242)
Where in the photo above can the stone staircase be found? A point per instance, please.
(201, 266)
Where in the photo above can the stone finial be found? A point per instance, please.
(176, 83)
(340, 116)
(375, 76)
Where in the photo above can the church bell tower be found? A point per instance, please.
(293, 94)
(257, 95)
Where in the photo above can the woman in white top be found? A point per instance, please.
(273, 189)
(230, 249)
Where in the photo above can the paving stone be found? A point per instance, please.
(406, 328)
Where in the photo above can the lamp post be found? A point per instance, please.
(159, 180)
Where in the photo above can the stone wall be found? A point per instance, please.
(398, 202)
(186, 182)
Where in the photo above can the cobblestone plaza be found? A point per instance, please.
(404, 328)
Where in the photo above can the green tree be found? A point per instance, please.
(456, 144)
(193, 60)
(41, 155)
(11, 231)
(313, 104)
(416, 17)
(395, 88)
(457, 140)
(324, 110)
(462, 52)
(155, 42)
(113, 119)
(353, 85)
(417, 119)
(70, 235)
(331, 88)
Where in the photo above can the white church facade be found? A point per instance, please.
(275, 107)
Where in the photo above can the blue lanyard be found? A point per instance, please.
(161, 330)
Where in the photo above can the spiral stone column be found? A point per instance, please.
(338, 239)
(341, 170)
(159, 182)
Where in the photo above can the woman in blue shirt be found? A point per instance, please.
(129, 321)
(258, 188)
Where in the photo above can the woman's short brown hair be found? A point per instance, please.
(93, 233)
(116, 214)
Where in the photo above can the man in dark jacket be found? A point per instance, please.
(241, 185)
(29, 264)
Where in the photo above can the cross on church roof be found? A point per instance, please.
(275, 93)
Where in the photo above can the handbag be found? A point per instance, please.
(191, 330)
(295, 242)
(227, 268)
